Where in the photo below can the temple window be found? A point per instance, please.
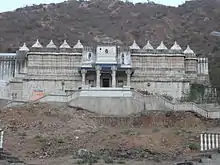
(106, 50)
(89, 56)
(123, 59)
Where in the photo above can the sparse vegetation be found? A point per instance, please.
(194, 146)
(152, 137)
(154, 130)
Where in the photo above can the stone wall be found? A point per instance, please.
(7, 66)
(173, 89)
(32, 88)
(160, 74)
(56, 65)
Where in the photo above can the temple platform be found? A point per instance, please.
(105, 92)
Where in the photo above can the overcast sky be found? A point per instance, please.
(9, 5)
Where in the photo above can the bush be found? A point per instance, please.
(120, 162)
(87, 157)
(108, 160)
(194, 146)
(154, 130)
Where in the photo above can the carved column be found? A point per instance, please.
(25, 65)
(98, 74)
(114, 76)
(83, 72)
(128, 72)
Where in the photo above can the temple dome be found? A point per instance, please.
(148, 46)
(24, 48)
(78, 45)
(51, 45)
(188, 50)
(134, 45)
(65, 45)
(37, 44)
(162, 46)
(176, 46)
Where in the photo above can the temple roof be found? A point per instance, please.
(148, 46)
(188, 50)
(161, 46)
(134, 45)
(78, 45)
(37, 45)
(65, 45)
(176, 46)
(24, 48)
(51, 44)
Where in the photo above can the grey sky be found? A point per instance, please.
(9, 5)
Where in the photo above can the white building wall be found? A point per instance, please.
(173, 89)
(106, 54)
(203, 67)
(47, 87)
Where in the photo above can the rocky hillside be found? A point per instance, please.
(50, 133)
(122, 22)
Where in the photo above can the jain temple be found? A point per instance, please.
(102, 75)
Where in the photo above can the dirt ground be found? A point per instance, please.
(53, 133)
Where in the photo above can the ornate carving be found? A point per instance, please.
(114, 68)
(98, 68)
(83, 71)
(128, 72)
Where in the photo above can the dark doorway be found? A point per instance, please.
(105, 83)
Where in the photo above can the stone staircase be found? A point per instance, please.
(157, 102)
(8, 159)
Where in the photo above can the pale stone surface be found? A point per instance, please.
(160, 71)
(37, 44)
(188, 50)
(134, 45)
(148, 46)
(24, 48)
(162, 46)
(176, 46)
(51, 44)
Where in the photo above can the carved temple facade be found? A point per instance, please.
(33, 72)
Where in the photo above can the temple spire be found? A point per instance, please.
(148, 46)
(51, 44)
(162, 46)
(188, 50)
(134, 45)
(37, 44)
(176, 46)
(65, 45)
(78, 45)
(24, 48)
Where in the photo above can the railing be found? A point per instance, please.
(187, 106)
(209, 141)
(72, 95)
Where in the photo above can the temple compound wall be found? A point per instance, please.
(32, 73)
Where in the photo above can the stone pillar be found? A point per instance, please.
(25, 65)
(83, 72)
(128, 72)
(114, 76)
(98, 74)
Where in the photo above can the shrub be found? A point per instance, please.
(194, 146)
(108, 160)
(120, 162)
(154, 130)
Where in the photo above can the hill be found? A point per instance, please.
(122, 22)
(54, 133)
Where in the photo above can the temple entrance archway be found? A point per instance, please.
(106, 80)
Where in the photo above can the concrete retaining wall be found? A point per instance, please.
(120, 106)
